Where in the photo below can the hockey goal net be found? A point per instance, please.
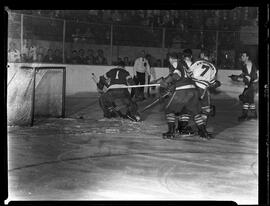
(34, 92)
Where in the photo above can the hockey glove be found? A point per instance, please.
(163, 84)
(215, 85)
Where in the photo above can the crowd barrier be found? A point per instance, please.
(79, 78)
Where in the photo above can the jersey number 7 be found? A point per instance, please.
(206, 68)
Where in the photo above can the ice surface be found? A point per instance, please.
(94, 158)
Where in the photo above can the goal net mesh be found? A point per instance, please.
(26, 101)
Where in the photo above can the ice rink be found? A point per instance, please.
(87, 157)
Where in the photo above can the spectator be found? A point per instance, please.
(33, 51)
(92, 15)
(119, 59)
(90, 58)
(156, 18)
(135, 18)
(176, 19)
(76, 35)
(40, 50)
(49, 58)
(74, 57)
(28, 51)
(126, 61)
(166, 19)
(125, 18)
(57, 56)
(100, 59)
(140, 17)
(158, 63)
(81, 57)
(13, 53)
(116, 16)
(106, 16)
(40, 57)
(89, 36)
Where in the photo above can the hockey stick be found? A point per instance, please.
(122, 86)
(134, 86)
(96, 81)
(94, 78)
(203, 94)
(156, 101)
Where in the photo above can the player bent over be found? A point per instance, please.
(117, 101)
(203, 73)
(184, 96)
(250, 79)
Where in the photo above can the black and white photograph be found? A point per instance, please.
(144, 105)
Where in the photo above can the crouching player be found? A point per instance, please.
(117, 101)
(184, 97)
(203, 73)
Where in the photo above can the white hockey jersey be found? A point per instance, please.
(203, 73)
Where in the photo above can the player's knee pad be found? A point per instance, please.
(245, 106)
(204, 118)
(184, 117)
(206, 110)
(170, 117)
(198, 119)
(252, 107)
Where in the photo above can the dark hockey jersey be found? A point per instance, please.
(181, 77)
(117, 76)
(249, 77)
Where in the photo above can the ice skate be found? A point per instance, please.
(171, 132)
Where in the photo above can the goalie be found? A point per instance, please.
(117, 102)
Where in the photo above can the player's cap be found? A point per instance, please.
(173, 55)
(187, 53)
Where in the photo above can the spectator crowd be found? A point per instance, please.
(184, 28)
(192, 19)
(32, 53)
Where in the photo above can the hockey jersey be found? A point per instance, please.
(203, 73)
(181, 79)
(249, 76)
(116, 77)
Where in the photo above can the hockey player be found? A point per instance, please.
(117, 101)
(183, 119)
(250, 79)
(184, 96)
(203, 73)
